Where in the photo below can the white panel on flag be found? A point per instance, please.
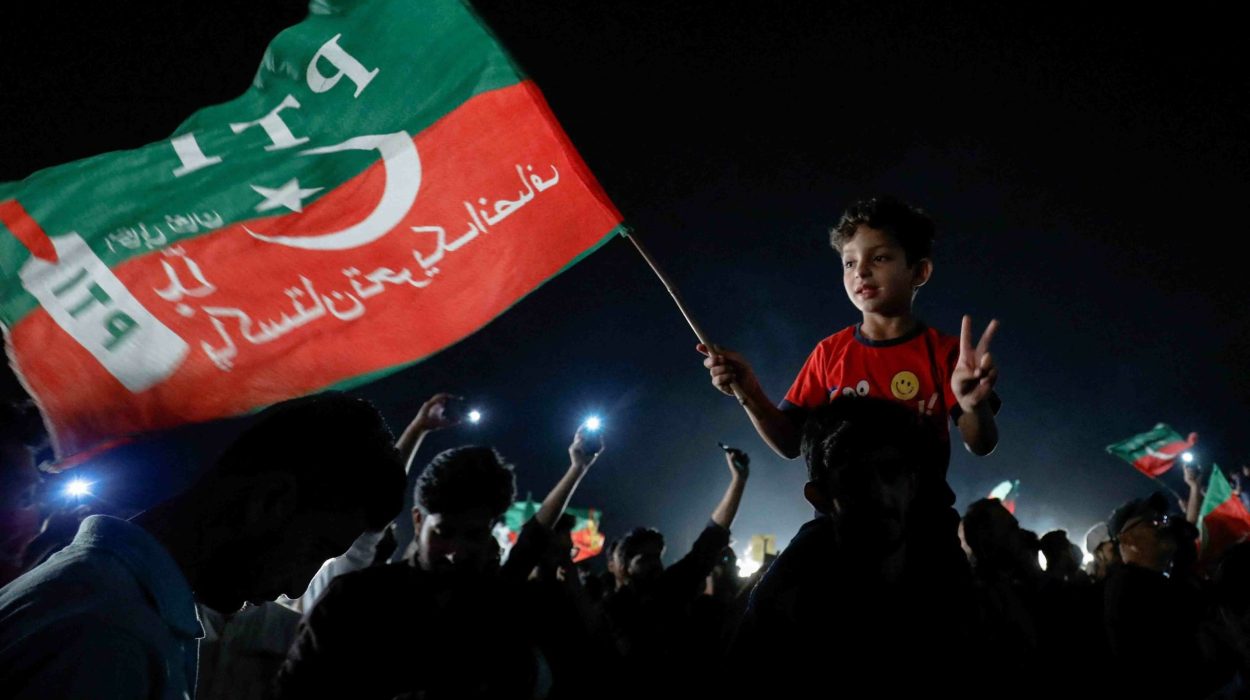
(87, 300)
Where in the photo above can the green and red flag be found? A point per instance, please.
(509, 526)
(1007, 492)
(1223, 520)
(1154, 451)
(389, 184)
(587, 539)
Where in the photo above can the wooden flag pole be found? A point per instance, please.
(681, 305)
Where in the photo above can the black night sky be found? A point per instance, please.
(1087, 170)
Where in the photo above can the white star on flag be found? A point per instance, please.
(289, 195)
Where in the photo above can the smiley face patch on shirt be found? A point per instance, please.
(905, 385)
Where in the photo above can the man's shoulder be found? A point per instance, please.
(69, 660)
(815, 540)
(85, 599)
(377, 580)
(806, 562)
(73, 580)
(385, 596)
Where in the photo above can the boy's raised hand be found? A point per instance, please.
(975, 372)
(728, 367)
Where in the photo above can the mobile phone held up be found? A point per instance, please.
(592, 435)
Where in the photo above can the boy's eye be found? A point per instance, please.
(881, 258)
(848, 264)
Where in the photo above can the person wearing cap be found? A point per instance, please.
(1148, 616)
(1137, 529)
(1106, 554)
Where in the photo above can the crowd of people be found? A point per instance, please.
(278, 574)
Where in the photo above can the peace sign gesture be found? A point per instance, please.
(975, 372)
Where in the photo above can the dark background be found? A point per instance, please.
(1087, 169)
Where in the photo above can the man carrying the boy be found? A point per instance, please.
(886, 249)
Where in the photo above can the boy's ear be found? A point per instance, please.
(922, 272)
(417, 517)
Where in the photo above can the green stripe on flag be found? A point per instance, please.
(1218, 492)
(1139, 445)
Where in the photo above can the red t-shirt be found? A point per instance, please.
(914, 370)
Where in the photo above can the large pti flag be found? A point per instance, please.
(388, 185)
(1154, 451)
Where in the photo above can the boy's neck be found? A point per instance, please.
(878, 327)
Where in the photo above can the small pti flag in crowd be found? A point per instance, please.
(1007, 492)
(1223, 520)
(509, 526)
(1153, 452)
(388, 185)
(587, 540)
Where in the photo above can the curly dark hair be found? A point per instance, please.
(464, 478)
(338, 449)
(837, 433)
(908, 225)
(638, 538)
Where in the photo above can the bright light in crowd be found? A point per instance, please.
(1188, 457)
(748, 567)
(77, 488)
(475, 416)
(1041, 560)
(593, 423)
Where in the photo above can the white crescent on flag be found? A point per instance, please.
(403, 178)
(1166, 456)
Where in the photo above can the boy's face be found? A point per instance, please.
(876, 275)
